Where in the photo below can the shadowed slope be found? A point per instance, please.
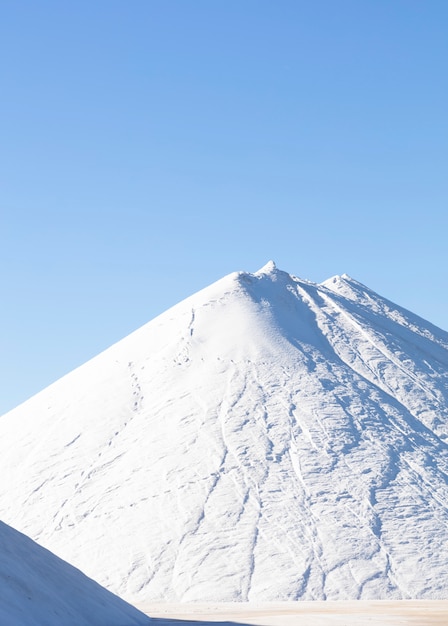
(37, 588)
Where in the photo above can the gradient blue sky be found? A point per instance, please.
(149, 147)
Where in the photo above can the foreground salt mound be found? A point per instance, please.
(37, 588)
(266, 439)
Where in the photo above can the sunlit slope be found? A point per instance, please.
(38, 589)
(266, 439)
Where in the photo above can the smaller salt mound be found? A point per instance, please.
(37, 588)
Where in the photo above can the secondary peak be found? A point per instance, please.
(269, 268)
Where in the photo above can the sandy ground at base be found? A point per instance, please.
(356, 613)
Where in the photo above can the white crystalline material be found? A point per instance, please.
(38, 589)
(266, 439)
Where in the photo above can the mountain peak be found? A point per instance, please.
(337, 279)
(269, 268)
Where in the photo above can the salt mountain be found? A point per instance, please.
(266, 439)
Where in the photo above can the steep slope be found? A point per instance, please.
(37, 588)
(267, 438)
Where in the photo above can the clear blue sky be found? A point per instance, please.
(149, 147)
